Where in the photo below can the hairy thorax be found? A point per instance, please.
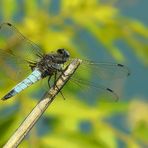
(46, 65)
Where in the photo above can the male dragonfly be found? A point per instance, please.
(16, 49)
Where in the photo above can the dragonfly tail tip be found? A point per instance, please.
(5, 98)
(9, 95)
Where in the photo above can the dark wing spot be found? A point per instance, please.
(9, 24)
(120, 65)
(109, 89)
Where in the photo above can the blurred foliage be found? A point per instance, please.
(72, 123)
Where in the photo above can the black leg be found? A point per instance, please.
(55, 78)
(49, 81)
(60, 92)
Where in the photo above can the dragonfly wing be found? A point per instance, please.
(87, 88)
(96, 78)
(16, 50)
(16, 44)
(105, 71)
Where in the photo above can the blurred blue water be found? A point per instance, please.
(135, 9)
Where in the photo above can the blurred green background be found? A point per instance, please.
(100, 30)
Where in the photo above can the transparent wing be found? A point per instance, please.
(105, 71)
(15, 44)
(16, 50)
(96, 78)
(89, 89)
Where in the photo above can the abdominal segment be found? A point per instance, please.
(31, 79)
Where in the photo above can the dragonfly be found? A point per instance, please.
(17, 50)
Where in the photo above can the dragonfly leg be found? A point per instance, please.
(49, 81)
(55, 78)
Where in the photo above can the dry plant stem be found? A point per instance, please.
(42, 105)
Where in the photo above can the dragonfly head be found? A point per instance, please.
(63, 55)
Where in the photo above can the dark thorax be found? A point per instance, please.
(50, 64)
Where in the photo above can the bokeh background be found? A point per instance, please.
(100, 30)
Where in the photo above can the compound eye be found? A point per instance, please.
(60, 51)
